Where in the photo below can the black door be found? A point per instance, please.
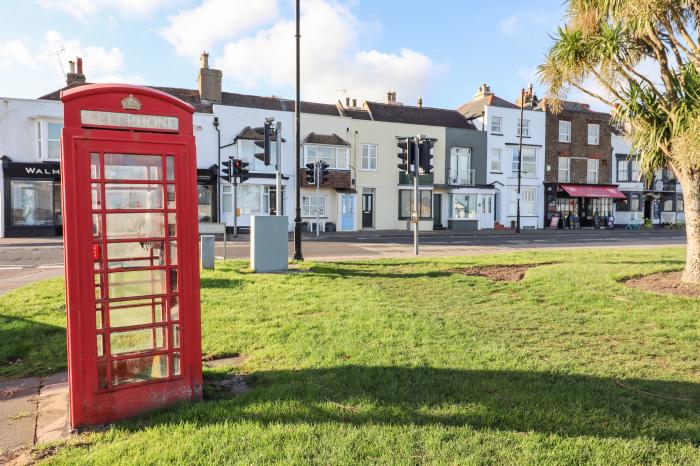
(367, 210)
(437, 211)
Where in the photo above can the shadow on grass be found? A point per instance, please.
(220, 283)
(370, 270)
(567, 405)
(30, 348)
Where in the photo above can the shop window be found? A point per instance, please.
(464, 206)
(425, 197)
(204, 203)
(32, 202)
(312, 204)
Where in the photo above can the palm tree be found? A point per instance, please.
(640, 57)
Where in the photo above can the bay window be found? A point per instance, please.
(464, 206)
(253, 199)
(335, 156)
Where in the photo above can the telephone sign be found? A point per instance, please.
(129, 186)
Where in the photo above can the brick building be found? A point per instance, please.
(578, 166)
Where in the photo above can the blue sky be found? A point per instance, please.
(439, 50)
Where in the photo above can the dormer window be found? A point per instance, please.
(335, 156)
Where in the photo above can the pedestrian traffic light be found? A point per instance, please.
(324, 173)
(407, 154)
(227, 170)
(310, 173)
(239, 170)
(265, 144)
(425, 156)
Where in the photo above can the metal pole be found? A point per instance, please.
(278, 175)
(235, 207)
(520, 158)
(297, 114)
(416, 197)
(318, 198)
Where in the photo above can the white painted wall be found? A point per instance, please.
(506, 182)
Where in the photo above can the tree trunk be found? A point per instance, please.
(690, 182)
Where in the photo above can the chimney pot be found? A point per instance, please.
(71, 66)
(354, 102)
(74, 75)
(347, 101)
(204, 60)
(388, 97)
(420, 101)
(79, 61)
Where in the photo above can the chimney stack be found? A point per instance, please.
(209, 81)
(484, 91)
(530, 100)
(75, 76)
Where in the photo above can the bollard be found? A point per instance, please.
(206, 251)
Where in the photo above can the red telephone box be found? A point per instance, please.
(129, 186)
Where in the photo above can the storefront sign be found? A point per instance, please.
(49, 170)
(128, 120)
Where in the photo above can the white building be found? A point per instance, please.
(501, 120)
(659, 199)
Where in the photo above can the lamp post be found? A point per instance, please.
(520, 160)
(297, 163)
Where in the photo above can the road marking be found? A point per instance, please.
(50, 266)
(11, 267)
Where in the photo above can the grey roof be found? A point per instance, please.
(576, 107)
(417, 115)
(327, 139)
(254, 134)
(356, 114)
(475, 108)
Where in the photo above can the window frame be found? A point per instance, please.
(514, 162)
(308, 211)
(567, 170)
(596, 139)
(345, 157)
(457, 154)
(492, 124)
(42, 139)
(528, 207)
(420, 200)
(369, 157)
(526, 127)
(567, 134)
(499, 158)
(596, 163)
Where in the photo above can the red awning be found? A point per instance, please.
(576, 190)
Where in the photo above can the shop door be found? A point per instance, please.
(143, 337)
(368, 210)
(347, 212)
(485, 211)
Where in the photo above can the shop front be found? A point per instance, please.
(31, 198)
(207, 206)
(580, 205)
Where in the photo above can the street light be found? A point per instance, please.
(297, 163)
(520, 159)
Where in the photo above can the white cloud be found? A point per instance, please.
(86, 9)
(509, 26)
(527, 75)
(28, 72)
(331, 58)
(195, 30)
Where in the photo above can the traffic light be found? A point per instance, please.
(425, 155)
(310, 173)
(227, 170)
(407, 154)
(265, 144)
(239, 170)
(324, 173)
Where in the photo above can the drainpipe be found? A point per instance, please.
(218, 175)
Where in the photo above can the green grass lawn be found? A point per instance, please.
(405, 362)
